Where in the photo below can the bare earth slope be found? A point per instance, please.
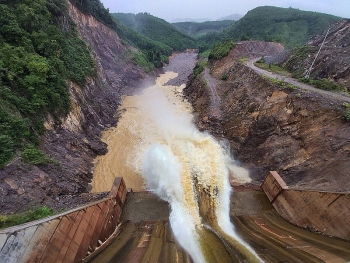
(300, 134)
(333, 61)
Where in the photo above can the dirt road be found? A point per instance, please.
(300, 85)
(214, 97)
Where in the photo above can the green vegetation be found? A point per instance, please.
(33, 155)
(141, 59)
(157, 29)
(96, 9)
(243, 60)
(291, 27)
(195, 29)
(272, 68)
(280, 83)
(198, 69)
(204, 54)
(209, 40)
(297, 58)
(224, 76)
(36, 59)
(221, 50)
(28, 216)
(155, 52)
(347, 111)
(324, 84)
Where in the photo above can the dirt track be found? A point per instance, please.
(214, 97)
(300, 85)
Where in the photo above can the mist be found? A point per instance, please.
(214, 10)
(180, 161)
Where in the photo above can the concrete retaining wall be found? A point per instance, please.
(67, 237)
(324, 212)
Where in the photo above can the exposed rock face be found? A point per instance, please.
(333, 61)
(76, 141)
(299, 134)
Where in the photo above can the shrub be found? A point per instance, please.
(347, 111)
(221, 50)
(141, 59)
(35, 156)
(30, 215)
(324, 84)
(347, 115)
(198, 69)
(224, 76)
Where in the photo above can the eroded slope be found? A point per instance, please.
(75, 142)
(300, 134)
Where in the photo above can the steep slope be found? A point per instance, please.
(36, 59)
(270, 126)
(194, 29)
(291, 27)
(150, 54)
(333, 61)
(156, 29)
(75, 140)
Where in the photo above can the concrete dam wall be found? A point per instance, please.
(323, 212)
(143, 230)
(67, 237)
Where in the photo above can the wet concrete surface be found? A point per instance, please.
(146, 235)
(276, 240)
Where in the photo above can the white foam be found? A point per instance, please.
(178, 152)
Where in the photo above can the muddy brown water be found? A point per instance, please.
(146, 234)
(134, 133)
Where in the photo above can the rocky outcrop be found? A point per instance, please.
(333, 61)
(299, 134)
(75, 142)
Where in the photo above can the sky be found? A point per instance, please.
(172, 10)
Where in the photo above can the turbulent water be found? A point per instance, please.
(156, 146)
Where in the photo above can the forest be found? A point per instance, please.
(289, 26)
(157, 29)
(195, 29)
(37, 58)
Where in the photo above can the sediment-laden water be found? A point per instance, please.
(157, 147)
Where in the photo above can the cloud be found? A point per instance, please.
(215, 9)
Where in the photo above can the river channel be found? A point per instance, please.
(156, 147)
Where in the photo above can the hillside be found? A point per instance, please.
(333, 61)
(194, 29)
(291, 27)
(273, 126)
(156, 29)
(153, 53)
(62, 75)
(37, 59)
(235, 17)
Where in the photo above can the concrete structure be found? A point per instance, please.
(67, 237)
(324, 212)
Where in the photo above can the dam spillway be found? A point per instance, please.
(143, 234)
